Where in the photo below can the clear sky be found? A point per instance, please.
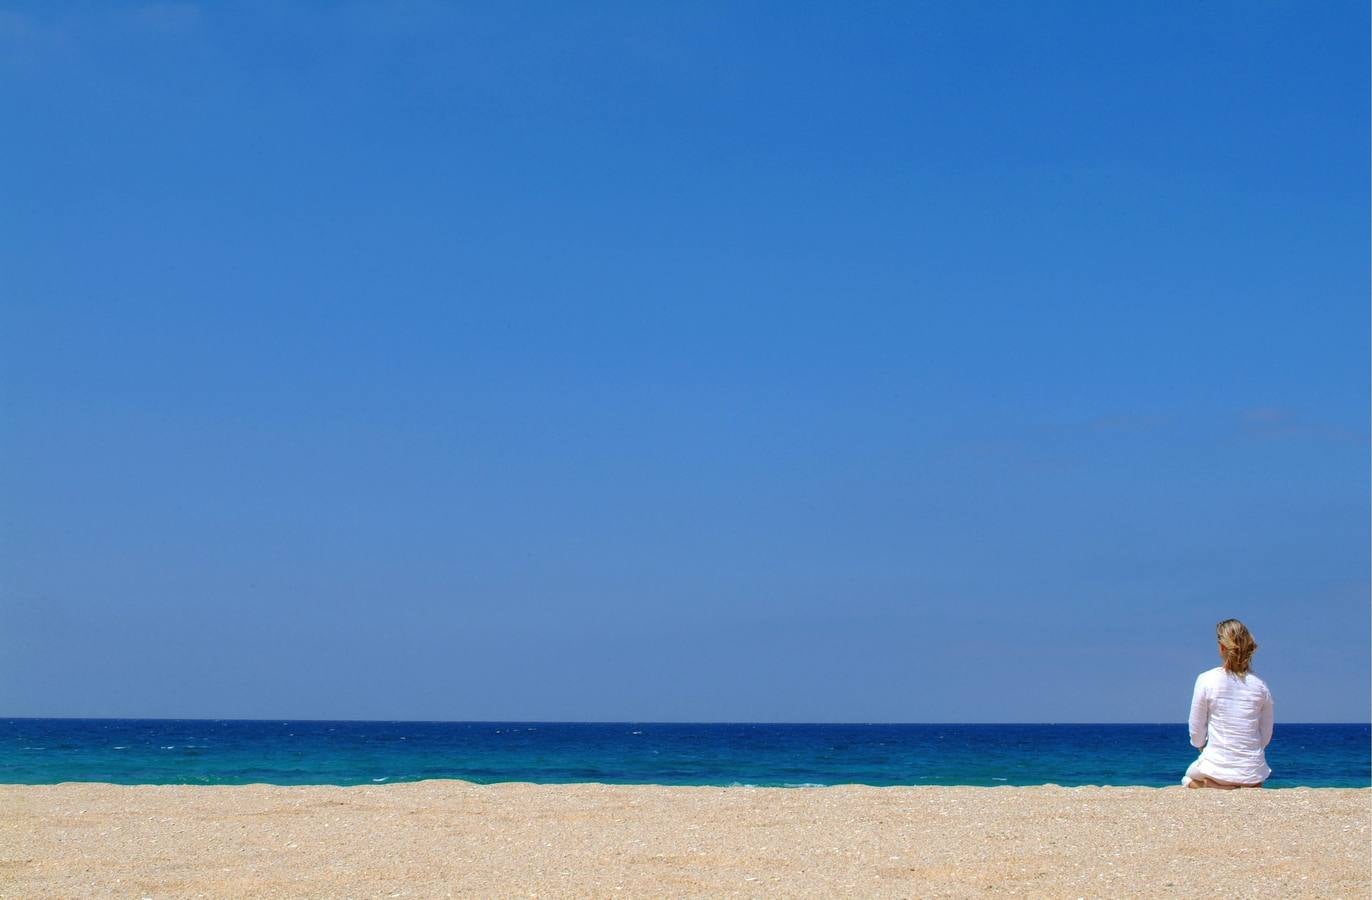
(736, 361)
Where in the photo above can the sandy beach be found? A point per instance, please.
(450, 838)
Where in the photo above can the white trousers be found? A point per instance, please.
(1193, 773)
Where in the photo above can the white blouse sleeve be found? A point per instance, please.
(1200, 714)
(1265, 718)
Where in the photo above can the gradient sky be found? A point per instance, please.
(736, 361)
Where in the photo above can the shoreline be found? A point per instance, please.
(731, 786)
(448, 837)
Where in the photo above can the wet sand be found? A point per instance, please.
(452, 838)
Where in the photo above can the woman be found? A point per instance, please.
(1231, 717)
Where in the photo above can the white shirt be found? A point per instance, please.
(1231, 718)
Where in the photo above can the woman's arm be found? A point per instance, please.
(1200, 714)
(1265, 719)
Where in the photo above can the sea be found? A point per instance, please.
(201, 751)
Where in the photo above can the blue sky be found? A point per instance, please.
(773, 362)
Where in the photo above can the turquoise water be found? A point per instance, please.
(137, 751)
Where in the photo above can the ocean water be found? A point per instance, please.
(168, 751)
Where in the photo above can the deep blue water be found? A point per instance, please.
(164, 751)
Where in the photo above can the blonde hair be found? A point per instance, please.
(1238, 645)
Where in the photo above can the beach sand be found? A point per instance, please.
(452, 838)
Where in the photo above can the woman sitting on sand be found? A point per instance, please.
(1231, 717)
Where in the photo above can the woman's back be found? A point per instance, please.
(1234, 715)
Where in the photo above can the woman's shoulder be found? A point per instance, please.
(1219, 675)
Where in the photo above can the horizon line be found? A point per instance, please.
(1178, 722)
